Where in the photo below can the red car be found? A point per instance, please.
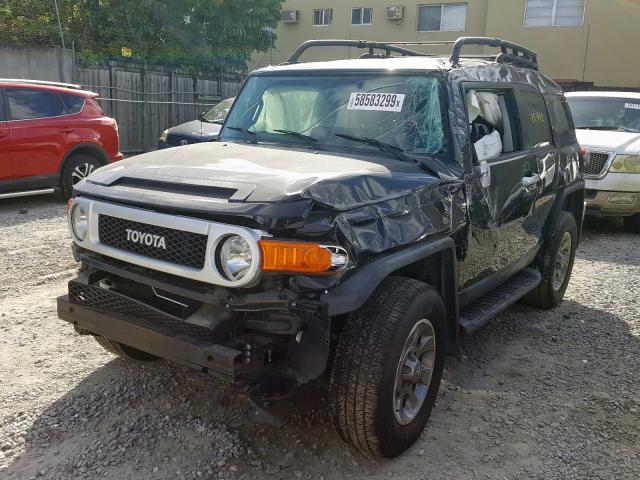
(51, 136)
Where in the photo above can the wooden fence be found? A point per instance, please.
(145, 102)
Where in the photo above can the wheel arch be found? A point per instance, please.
(432, 262)
(571, 199)
(91, 149)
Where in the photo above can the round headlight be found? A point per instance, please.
(235, 257)
(79, 222)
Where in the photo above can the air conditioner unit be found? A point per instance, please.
(395, 12)
(289, 16)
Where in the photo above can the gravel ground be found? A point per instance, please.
(535, 395)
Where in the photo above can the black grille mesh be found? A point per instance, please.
(596, 164)
(182, 248)
(109, 302)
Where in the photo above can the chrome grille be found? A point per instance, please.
(597, 164)
(182, 248)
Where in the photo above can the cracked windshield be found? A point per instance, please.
(398, 114)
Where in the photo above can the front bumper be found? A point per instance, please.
(144, 335)
(611, 203)
(245, 339)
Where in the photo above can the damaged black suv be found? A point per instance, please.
(355, 218)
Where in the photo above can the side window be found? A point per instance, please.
(535, 119)
(561, 120)
(27, 104)
(73, 103)
(493, 122)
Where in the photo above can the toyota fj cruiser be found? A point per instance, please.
(355, 217)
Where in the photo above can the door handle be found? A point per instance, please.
(531, 181)
(483, 171)
(66, 130)
(3, 134)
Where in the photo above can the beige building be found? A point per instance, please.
(579, 42)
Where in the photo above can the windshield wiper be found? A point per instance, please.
(396, 152)
(392, 150)
(307, 138)
(251, 136)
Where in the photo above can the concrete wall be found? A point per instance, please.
(613, 50)
(603, 51)
(290, 35)
(36, 63)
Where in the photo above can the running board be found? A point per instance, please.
(27, 193)
(475, 315)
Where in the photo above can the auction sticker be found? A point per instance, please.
(379, 102)
(633, 106)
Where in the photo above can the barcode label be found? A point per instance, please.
(379, 102)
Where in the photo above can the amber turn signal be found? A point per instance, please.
(301, 257)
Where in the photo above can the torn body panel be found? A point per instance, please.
(372, 205)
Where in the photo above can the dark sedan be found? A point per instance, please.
(204, 129)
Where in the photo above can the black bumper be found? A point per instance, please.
(145, 335)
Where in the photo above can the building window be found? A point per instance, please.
(361, 16)
(444, 17)
(554, 13)
(323, 17)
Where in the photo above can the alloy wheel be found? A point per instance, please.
(81, 171)
(414, 372)
(561, 264)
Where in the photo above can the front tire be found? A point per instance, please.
(124, 351)
(557, 264)
(388, 366)
(632, 223)
(77, 168)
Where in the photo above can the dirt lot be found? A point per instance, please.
(535, 395)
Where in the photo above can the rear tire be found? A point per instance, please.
(78, 167)
(397, 338)
(557, 264)
(124, 351)
(632, 223)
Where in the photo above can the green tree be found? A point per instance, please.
(190, 34)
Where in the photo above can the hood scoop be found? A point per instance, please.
(160, 190)
(204, 190)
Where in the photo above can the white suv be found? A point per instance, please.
(608, 125)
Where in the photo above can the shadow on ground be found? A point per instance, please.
(19, 210)
(519, 400)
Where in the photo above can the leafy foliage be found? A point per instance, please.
(195, 35)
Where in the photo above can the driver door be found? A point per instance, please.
(503, 193)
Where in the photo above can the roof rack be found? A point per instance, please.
(518, 56)
(41, 82)
(510, 53)
(364, 44)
